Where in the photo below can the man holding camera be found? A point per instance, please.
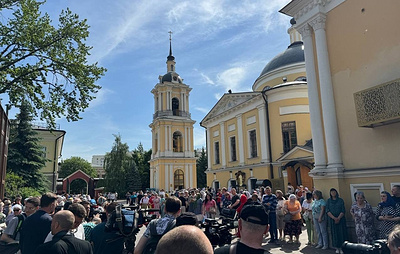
(161, 226)
(253, 222)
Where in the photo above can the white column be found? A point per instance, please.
(166, 171)
(190, 148)
(185, 147)
(222, 135)
(158, 141)
(151, 178)
(263, 133)
(327, 98)
(191, 175)
(166, 138)
(171, 176)
(158, 178)
(313, 98)
(182, 102)
(155, 103)
(186, 175)
(187, 103)
(159, 101)
(209, 147)
(240, 141)
(170, 138)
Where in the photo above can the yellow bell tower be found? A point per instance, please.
(172, 164)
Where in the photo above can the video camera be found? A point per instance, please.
(219, 233)
(127, 222)
(378, 247)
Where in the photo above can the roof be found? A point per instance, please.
(171, 76)
(293, 54)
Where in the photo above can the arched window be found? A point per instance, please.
(301, 78)
(177, 142)
(175, 106)
(172, 67)
(298, 176)
(178, 179)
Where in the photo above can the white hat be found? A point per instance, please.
(17, 206)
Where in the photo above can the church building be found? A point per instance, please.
(173, 162)
(263, 137)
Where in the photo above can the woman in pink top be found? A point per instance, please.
(209, 206)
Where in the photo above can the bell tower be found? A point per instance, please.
(172, 164)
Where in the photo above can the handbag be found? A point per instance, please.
(212, 210)
(287, 217)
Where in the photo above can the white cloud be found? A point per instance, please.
(231, 78)
(101, 98)
(206, 79)
(203, 110)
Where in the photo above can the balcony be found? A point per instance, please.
(169, 113)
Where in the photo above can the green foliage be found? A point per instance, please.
(25, 155)
(116, 164)
(133, 178)
(14, 186)
(201, 166)
(78, 186)
(74, 164)
(44, 63)
(142, 158)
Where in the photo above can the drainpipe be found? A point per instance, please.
(265, 97)
(56, 161)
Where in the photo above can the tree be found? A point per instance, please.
(142, 158)
(133, 179)
(74, 164)
(116, 164)
(15, 186)
(201, 166)
(25, 155)
(46, 64)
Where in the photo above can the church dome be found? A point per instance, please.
(293, 54)
(171, 77)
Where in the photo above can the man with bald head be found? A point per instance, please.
(62, 242)
(184, 239)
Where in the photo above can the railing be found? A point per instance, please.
(167, 113)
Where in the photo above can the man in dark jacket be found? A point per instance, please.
(64, 243)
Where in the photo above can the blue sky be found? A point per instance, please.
(218, 45)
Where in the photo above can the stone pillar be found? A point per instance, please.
(166, 176)
(240, 141)
(327, 98)
(222, 135)
(209, 148)
(263, 133)
(186, 176)
(313, 98)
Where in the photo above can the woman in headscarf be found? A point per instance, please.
(388, 213)
(337, 221)
(293, 227)
(363, 217)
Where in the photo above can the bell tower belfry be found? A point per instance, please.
(172, 164)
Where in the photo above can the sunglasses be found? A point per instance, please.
(16, 210)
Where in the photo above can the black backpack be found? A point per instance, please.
(151, 245)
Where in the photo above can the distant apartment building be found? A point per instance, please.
(98, 165)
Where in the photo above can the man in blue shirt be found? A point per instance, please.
(270, 202)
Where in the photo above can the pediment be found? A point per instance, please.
(229, 101)
(297, 153)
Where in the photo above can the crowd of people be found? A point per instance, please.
(53, 223)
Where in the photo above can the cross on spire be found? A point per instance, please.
(170, 57)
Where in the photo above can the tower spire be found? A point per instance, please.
(170, 57)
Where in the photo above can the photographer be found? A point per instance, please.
(162, 226)
(252, 224)
(106, 241)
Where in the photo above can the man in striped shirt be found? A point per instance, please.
(270, 202)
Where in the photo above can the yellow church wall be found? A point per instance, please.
(246, 128)
(303, 126)
(364, 51)
(278, 80)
